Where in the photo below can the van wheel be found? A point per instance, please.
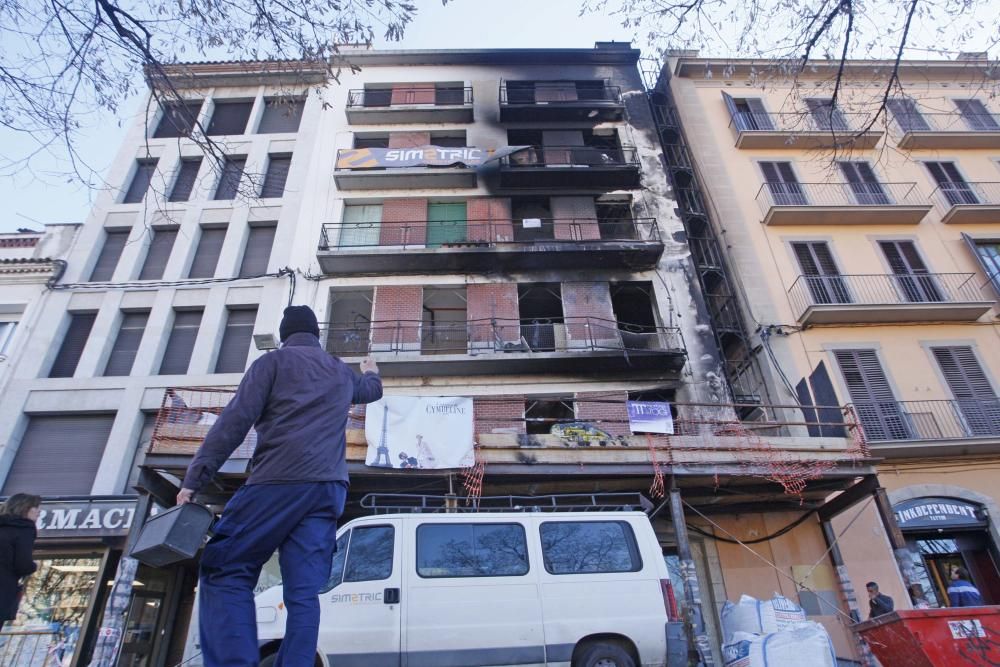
(603, 655)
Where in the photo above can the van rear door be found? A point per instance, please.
(360, 617)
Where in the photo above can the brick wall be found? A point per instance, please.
(490, 220)
(611, 418)
(397, 303)
(575, 218)
(498, 414)
(488, 301)
(409, 139)
(588, 300)
(404, 221)
(412, 93)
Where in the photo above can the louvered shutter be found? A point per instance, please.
(229, 180)
(976, 115)
(140, 181)
(185, 181)
(206, 257)
(740, 119)
(911, 274)
(276, 176)
(72, 346)
(975, 399)
(761, 119)
(826, 116)
(362, 225)
(784, 186)
(258, 251)
(177, 120)
(907, 116)
(114, 243)
(59, 455)
(126, 344)
(177, 356)
(864, 183)
(871, 395)
(951, 183)
(822, 274)
(229, 118)
(158, 254)
(236, 341)
(281, 116)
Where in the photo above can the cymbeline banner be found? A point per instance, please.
(426, 432)
(421, 156)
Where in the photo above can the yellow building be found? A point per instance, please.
(862, 246)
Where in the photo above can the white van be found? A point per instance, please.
(566, 589)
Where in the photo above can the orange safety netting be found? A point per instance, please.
(186, 415)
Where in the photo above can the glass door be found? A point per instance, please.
(140, 629)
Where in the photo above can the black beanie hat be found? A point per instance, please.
(298, 319)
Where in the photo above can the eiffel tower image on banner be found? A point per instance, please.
(382, 451)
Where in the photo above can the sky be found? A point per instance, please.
(34, 199)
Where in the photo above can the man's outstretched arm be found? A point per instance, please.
(368, 385)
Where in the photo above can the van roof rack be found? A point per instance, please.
(384, 503)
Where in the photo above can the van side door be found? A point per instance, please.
(360, 605)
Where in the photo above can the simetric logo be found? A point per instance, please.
(356, 598)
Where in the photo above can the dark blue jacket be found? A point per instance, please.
(962, 593)
(297, 398)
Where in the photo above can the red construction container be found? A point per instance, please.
(950, 637)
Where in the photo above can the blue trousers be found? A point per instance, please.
(300, 522)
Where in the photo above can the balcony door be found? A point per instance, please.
(444, 328)
(913, 280)
(907, 116)
(869, 389)
(826, 284)
(361, 226)
(977, 116)
(349, 331)
(864, 184)
(783, 184)
(953, 186)
(748, 113)
(976, 402)
(446, 224)
(826, 116)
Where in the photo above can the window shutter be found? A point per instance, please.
(907, 116)
(72, 346)
(114, 243)
(185, 181)
(206, 257)
(281, 116)
(277, 174)
(903, 257)
(126, 344)
(770, 170)
(140, 181)
(229, 179)
(177, 356)
(177, 120)
(236, 341)
(962, 372)
(362, 225)
(871, 394)
(59, 455)
(158, 254)
(258, 251)
(976, 115)
(229, 118)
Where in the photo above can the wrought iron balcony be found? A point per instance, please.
(961, 419)
(413, 104)
(573, 345)
(963, 202)
(803, 130)
(560, 101)
(912, 297)
(948, 130)
(589, 167)
(795, 203)
(360, 248)
(381, 177)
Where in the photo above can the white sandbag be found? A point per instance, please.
(800, 644)
(759, 616)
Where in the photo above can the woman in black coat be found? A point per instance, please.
(17, 539)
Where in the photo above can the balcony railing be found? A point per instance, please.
(573, 156)
(885, 421)
(843, 298)
(371, 98)
(967, 202)
(499, 337)
(801, 203)
(558, 93)
(802, 130)
(948, 130)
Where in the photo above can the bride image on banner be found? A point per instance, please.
(420, 432)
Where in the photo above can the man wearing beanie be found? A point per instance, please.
(297, 398)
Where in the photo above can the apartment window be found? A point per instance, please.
(178, 119)
(910, 273)
(158, 254)
(748, 113)
(973, 391)
(871, 395)
(236, 340)
(541, 414)
(180, 345)
(371, 142)
(446, 94)
(258, 250)
(206, 256)
(987, 253)
(229, 179)
(362, 226)
(59, 455)
(977, 116)
(281, 116)
(187, 175)
(952, 184)
(114, 243)
(826, 116)
(589, 547)
(143, 176)
(449, 140)
(864, 184)
(72, 346)
(377, 97)
(126, 344)
(783, 185)
(471, 550)
(907, 115)
(229, 118)
(7, 330)
(277, 174)
(826, 285)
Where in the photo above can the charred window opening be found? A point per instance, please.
(540, 308)
(444, 328)
(532, 218)
(614, 218)
(350, 322)
(449, 139)
(632, 304)
(371, 141)
(541, 414)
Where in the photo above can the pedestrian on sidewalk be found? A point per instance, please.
(17, 541)
(297, 398)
